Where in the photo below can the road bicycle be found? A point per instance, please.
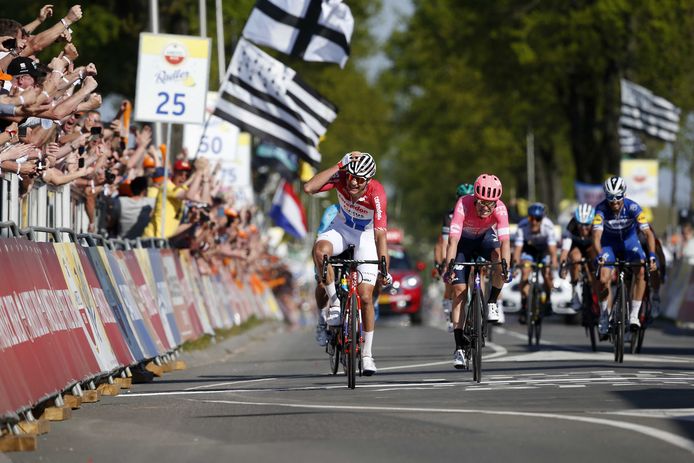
(475, 315)
(619, 315)
(645, 316)
(345, 341)
(534, 310)
(590, 311)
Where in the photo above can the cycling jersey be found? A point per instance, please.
(467, 224)
(446, 227)
(367, 212)
(328, 216)
(619, 231)
(572, 238)
(623, 223)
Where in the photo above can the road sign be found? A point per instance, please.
(172, 78)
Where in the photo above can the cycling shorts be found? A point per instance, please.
(628, 249)
(535, 254)
(364, 247)
(470, 249)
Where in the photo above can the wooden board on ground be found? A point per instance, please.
(90, 396)
(155, 369)
(167, 367)
(124, 383)
(180, 365)
(57, 413)
(72, 401)
(23, 443)
(35, 427)
(108, 389)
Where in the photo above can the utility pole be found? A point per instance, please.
(530, 153)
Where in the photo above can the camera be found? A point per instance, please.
(10, 44)
(110, 176)
(95, 130)
(80, 163)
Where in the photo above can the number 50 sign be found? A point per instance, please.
(172, 77)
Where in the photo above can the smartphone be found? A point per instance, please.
(80, 150)
(10, 44)
(22, 133)
(80, 163)
(95, 130)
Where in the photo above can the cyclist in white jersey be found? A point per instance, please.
(362, 222)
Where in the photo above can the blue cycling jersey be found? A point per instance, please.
(622, 224)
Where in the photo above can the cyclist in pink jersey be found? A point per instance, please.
(362, 222)
(479, 228)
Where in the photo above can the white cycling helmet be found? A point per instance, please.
(584, 214)
(364, 166)
(615, 186)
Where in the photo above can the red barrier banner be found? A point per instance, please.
(146, 303)
(120, 348)
(189, 279)
(188, 323)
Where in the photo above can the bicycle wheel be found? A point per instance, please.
(352, 343)
(538, 329)
(333, 349)
(619, 324)
(529, 315)
(588, 316)
(477, 338)
(645, 320)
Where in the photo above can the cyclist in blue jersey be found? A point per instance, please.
(615, 236)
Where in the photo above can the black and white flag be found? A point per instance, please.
(630, 142)
(264, 97)
(314, 30)
(648, 113)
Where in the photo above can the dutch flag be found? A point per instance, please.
(288, 212)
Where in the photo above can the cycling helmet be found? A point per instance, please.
(615, 186)
(465, 189)
(488, 187)
(536, 210)
(584, 214)
(364, 166)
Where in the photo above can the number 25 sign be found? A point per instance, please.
(172, 76)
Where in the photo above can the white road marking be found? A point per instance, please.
(210, 386)
(680, 413)
(566, 386)
(668, 437)
(498, 352)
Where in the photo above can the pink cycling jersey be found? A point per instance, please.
(468, 224)
(367, 212)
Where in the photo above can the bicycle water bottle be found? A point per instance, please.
(343, 283)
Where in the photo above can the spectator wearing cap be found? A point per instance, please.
(24, 72)
(177, 191)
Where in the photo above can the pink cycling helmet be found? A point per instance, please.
(488, 187)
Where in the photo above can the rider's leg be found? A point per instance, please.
(497, 283)
(637, 296)
(524, 288)
(368, 318)
(549, 283)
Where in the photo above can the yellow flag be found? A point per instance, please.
(306, 171)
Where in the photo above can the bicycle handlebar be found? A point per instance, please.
(338, 262)
(622, 264)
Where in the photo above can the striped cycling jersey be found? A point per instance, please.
(467, 224)
(545, 236)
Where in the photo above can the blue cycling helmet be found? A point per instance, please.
(465, 189)
(536, 210)
(584, 214)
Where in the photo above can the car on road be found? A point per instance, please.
(404, 296)
(561, 297)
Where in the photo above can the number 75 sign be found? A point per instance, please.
(172, 77)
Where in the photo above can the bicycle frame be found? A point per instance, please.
(589, 316)
(533, 311)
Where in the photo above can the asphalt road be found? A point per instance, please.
(270, 398)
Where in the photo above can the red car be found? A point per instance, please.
(405, 294)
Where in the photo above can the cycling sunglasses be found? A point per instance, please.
(613, 198)
(490, 205)
(359, 180)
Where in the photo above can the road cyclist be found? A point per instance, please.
(479, 228)
(535, 243)
(577, 244)
(440, 254)
(362, 222)
(617, 222)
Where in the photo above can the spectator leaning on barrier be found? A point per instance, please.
(134, 212)
(687, 245)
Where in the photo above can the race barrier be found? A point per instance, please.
(79, 313)
(678, 296)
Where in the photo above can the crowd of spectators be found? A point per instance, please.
(51, 132)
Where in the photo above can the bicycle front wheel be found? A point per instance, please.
(620, 320)
(334, 350)
(529, 315)
(352, 343)
(477, 338)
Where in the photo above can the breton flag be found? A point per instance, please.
(268, 99)
(314, 30)
(630, 142)
(287, 211)
(645, 112)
